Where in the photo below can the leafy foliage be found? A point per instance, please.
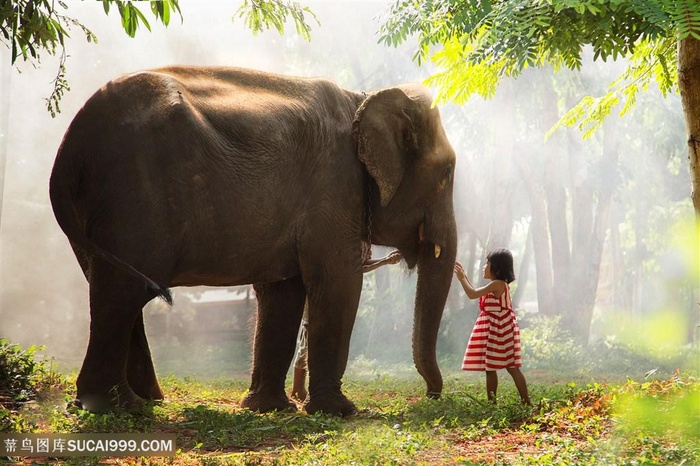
(29, 27)
(22, 377)
(132, 17)
(548, 345)
(659, 406)
(19, 372)
(651, 61)
(260, 15)
(477, 43)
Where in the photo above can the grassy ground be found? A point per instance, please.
(654, 421)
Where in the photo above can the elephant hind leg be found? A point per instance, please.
(116, 301)
(140, 372)
(280, 307)
(102, 384)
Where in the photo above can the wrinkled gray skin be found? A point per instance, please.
(188, 176)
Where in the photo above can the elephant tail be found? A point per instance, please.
(64, 186)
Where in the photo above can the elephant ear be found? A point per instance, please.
(384, 130)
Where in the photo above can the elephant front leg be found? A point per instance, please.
(280, 306)
(331, 319)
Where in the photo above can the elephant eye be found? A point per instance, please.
(446, 177)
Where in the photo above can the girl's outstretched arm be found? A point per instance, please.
(494, 286)
(373, 264)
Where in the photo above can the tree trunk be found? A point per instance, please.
(620, 298)
(582, 205)
(523, 274)
(592, 200)
(556, 198)
(689, 87)
(540, 239)
(591, 271)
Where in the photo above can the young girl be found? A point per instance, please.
(495, 340)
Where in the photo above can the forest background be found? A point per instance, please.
(601, 228)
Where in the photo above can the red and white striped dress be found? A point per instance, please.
(495, 340)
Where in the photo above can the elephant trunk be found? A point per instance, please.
(435, 270)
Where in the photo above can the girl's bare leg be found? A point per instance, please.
(491, 385)
(520, 384)
(299, 384)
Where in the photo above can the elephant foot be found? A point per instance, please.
(335, 404)
(118, 397)
(264, 403)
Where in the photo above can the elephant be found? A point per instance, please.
(224, 176)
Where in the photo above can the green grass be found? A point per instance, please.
(580, 416)
(648, 422)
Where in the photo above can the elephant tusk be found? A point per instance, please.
(438, 250)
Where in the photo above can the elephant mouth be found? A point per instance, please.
(411, 256)
(437, 249)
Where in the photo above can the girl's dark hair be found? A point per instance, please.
(501, 261)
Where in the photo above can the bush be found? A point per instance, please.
(547, 346)
(20, 373)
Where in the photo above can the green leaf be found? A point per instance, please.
(475, 44)
(139, 17)
(33, 27)
(259, 15)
